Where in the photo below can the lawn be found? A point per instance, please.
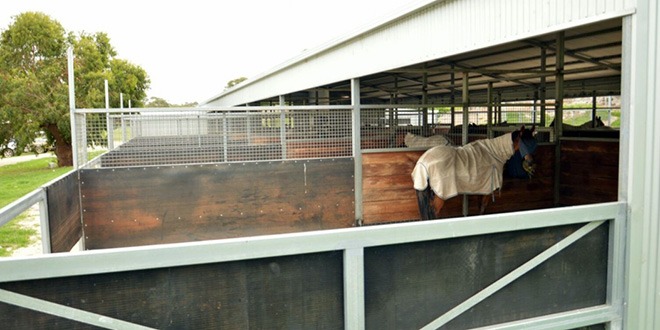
(17, 180)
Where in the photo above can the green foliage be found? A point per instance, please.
(157, 102)
(34, 80)
(235, 82)
(32, 50)
(189, 104)
(129, 79)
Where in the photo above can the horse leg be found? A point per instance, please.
(437, 204)
(429, 207)
(485, 199)
(424, 204)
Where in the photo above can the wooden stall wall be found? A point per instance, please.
(409, 285)
(589, 171)
(153, 205)
(64, 219)
(292, 292)
(388, 194)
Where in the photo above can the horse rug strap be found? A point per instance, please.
(475, 168)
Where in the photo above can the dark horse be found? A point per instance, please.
(475, 168)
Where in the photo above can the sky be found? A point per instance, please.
(190, 49)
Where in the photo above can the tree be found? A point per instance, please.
(157, 102)
(235, 82)
(31, 55)
(34, 80)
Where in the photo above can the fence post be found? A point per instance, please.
(354, 311)
(283, 128)
(72, 107)
(224, 136)
(44, 221)
(466, 125)
(357, 151)
(559, 111)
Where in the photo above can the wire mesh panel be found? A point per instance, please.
(386, 127)
(80, 138)
(165, 136)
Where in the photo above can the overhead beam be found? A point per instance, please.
(575, 54)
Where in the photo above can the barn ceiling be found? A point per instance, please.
(592, 66)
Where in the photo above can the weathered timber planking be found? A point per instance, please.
(64, 218)
(299, 150)
(291, 292)
(409, 285)
(394, 193)
(589, 172)
(152, 205)
(388, 194)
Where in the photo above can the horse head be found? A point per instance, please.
(524, 141)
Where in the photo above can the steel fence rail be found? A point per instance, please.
(353, 241)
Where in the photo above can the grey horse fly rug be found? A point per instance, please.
(475, 168)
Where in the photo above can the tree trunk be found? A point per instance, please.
(63, 149)
(64, 154)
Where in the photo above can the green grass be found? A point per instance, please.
(14, 236)
(17, 180)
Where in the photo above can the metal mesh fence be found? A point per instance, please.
(165, 136)
(136, 137)
(385, 128)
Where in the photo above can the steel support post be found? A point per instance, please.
(466, 124)
(542, 96)
(72, 107)
(357, 151)
(44, 221)
(489, 99)
(354, 311)
(452, 100)
(594, 107)
(425, 110)
(283, 127)
(225, 143)
(559, 113)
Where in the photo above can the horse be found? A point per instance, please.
(418, 141)
(411, 140)
(455, 132)
(475, 168)
(594, 123)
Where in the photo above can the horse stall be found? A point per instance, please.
(247, 218)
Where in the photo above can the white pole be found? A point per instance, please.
(108, 127)
(72, 108)
(357, 151)
(107, 95)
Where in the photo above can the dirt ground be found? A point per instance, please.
(35, 247)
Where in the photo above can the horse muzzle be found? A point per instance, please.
(529, 165)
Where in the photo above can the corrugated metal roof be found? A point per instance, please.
(433, 35)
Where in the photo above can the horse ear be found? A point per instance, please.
(533, 128)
